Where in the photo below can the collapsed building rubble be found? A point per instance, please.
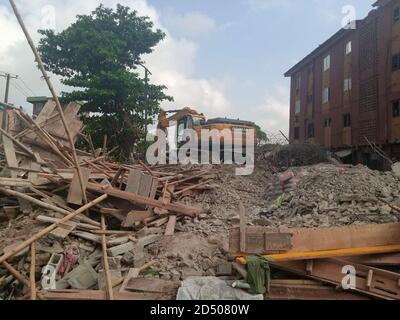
(160, 225)
(40, 186)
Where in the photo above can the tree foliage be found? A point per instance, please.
(262, 137)
(98, 55)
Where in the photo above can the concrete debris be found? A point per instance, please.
(158, 225)
(328, 195)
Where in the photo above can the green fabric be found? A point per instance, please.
(258, 274)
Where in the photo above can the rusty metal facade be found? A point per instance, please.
(368, 105)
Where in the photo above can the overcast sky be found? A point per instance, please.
(224, 57)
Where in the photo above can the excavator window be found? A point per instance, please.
(184, 123)
(181, 128)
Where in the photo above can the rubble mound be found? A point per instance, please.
(297, 155)
(331, 195)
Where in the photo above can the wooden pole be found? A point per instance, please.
(55, 97)
(45, 205)
(50, 228)
(174, 207)
(32, 273)
(16, 274)
(110, 293)
(242, 215)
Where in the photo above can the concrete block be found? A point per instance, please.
(83, 277)
(121, 249)
(145, 241)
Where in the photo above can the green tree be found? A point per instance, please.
(262, 137)
(98, 55)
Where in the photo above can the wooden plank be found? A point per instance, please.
(153, 285)
(174, 207)
(310, 292)
(392, 259)
(100, 295)
(170, 230)
(75, 195)
(33, 271)
(63, 229)
(146, 182)
(135, 216)
(9, 152)
(277, 241)
(154, 187)
(14, 182)
(242, 228)
(322, 239)
(46, 112)
(383, 284)
(133, 183)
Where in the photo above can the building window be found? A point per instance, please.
(347, 120)
(297, 107)
(328, 123)
(310, 69)
(310, 98)
(396, 14)
(310, 131)
(348, 48)
(347, 84)
(396, 62)
(326, 95)
(327, 62)
(396, 109)
(296, 133)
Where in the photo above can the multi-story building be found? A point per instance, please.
(345, 95)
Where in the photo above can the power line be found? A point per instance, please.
(19, 89)
(26, 86)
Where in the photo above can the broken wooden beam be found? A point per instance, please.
(113, 192)
(319, 239)
(101, 295)
(382, 284)
(46, 205)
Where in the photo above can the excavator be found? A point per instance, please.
(189, 118)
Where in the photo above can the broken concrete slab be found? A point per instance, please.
(82, 277)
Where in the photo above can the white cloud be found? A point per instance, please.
(172, 62)
(274, 111)
(191, 24)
